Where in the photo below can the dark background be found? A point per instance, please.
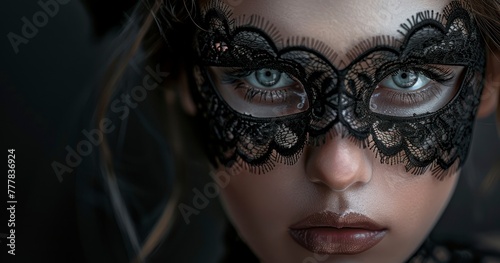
(47, 84)
(43, 89)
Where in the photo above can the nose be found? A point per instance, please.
(339, 164)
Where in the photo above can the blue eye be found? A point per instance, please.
(269, 78)
(261, 93)
(423, 89)
(405, 80)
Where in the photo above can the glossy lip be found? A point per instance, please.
(331, 233)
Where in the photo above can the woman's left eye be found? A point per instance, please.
(405, 80)
(409, 92)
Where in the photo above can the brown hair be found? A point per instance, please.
(154, 27)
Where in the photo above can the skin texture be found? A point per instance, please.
(338, 176)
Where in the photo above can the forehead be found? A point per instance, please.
(340, 24)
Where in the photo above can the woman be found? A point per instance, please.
(336, 130)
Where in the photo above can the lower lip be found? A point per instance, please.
(334, 241)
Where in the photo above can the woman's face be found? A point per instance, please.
(336, 202)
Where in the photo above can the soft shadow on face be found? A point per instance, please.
(337, 184)
(344, 179)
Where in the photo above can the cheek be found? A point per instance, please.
(263, 206)
(253, 198)
(421, 199)
(411, 205)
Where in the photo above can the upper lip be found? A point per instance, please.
(331, 219)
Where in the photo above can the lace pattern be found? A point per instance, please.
(341, 96)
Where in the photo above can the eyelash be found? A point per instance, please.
(434, 73)
(414, 97)
(234, 76)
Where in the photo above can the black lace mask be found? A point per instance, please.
(412, 100)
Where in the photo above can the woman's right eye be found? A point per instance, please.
(260, 93)
(269, 78)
